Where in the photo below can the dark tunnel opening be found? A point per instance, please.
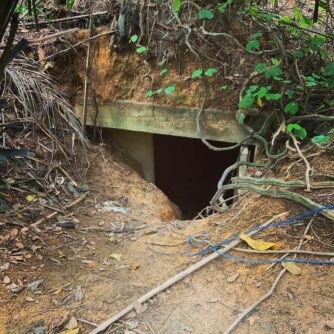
(188, 172)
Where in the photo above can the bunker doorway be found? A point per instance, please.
(188, 172)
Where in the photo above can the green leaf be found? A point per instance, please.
(291, 108)
(222, 6)
(320, 139)
(169, 90)
(246, 101)
(286, 19)
(176, 6)
(141, 49)
(297, 130)
(205, 14)
(289, 93)
(163, 71)
(273, 71)
(196, 74)
(298, 54)
(252, 89)
(260, 67)
(134, 38)
(273, 96)
(252, 45)
(262, 92)
(256, 35)
(210, 71)
(149, 93)
(329, 69)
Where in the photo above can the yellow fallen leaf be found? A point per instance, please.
(31, 198)
(257, 244)
(259, 103)
(71, 331)
(292, 268)
(116, 257)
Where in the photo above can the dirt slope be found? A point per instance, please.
(105, 263)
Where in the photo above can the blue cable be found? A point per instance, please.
(215, 247)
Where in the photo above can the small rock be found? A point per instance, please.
(232, 278)
(258, 284)
(6, 280)
(214, 300)
(30, 299)
(34, 285)
(79, 295)
(132, 324)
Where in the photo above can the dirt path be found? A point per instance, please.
(97, 269)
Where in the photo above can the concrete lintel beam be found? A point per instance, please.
(216, 125)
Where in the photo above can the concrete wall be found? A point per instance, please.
(139, 146)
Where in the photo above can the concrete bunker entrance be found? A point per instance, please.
(183, 168)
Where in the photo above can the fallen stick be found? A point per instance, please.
(250, 309)
(284, 251)
(178, 277)
(257, 303)
(57, 34)
(64, 19)
(53, 214)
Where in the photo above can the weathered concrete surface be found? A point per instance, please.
(127, 115)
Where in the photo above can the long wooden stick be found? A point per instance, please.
(87, 75)
(51, 215)
(57, 34)
(178, 277)
(64, 19)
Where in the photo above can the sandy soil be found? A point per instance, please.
(97, 269)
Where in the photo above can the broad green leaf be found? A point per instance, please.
(256, 35)
(320, 139)
(176, 6)
(205, 14)
(273, 96)
(141, 49)
(297, 130)
(246, 101)
(169, 90)
(134, 38)
(196, 74)
(252, 89)
(252, 45)
(298, 54)
(163, 71)
(289, 93)
(329, 69)
(149, 93)
(291, 108)
(210, 71)
(273, 71)
(262, 92)
(222, 6)
(260, 67)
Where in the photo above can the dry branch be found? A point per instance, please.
(178, 277)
